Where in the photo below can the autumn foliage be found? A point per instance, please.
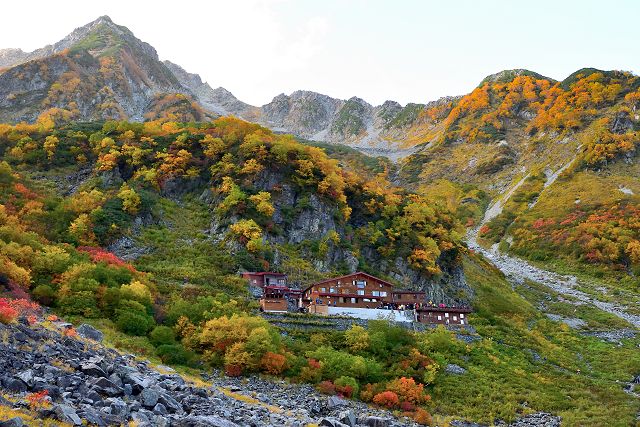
(100, 255)
(388, 399)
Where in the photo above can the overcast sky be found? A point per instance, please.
(405, 50)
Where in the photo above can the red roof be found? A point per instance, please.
(348, 275)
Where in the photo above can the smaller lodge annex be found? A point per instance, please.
(358, 292)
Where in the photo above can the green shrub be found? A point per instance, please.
(174, 354)
(134, 323)
(44, 294)
(162, 335)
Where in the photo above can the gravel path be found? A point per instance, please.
(518, 270)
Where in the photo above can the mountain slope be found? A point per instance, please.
(100, 71)
(559, 160)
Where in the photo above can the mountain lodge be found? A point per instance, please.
(359, 295)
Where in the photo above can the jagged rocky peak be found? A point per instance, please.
(103, 36)
(186, 78)
(98, 35)
(352, 118)
(304, 113)
(386, 112)
(506, 76)
(9, 57)
(219, 100)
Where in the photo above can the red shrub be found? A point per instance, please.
(10, 309)
(37, 400)
(273, 363)
(26, 307)
(70, 332)
(100, 255)
(408, 390)
(407, 406)
(233, 370)
(345, 391)
(327, 387)
(422, 417)
(388, 399)
(7, 313)
(484, 229)
(16, 291)
(314, 364)
(24, 191)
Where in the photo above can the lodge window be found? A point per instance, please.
(323, 289)
(376, 293)
(281, 281)
(439, 317)
(455, 318)
(360, 292)
(446, 315)
(332, 290)
(383, 293)
(366, 300)
(461, 322)
(361, 283)
(462, 316)
(354, 300)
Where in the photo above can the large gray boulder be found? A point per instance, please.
(107, 387)
(204, 421)
(13, 422)
(67, 414)
(89, 332)
(149, 397)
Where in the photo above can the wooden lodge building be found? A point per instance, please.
(275, 292)
(352, 291)
(265, 278)
(443, 315)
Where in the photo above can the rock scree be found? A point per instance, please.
(90, 384)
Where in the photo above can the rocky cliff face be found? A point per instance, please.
(219, 100)
(10, 57)
(301, 219)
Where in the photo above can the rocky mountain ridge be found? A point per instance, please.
(134, 82)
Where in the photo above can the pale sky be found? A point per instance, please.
(405, 50)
